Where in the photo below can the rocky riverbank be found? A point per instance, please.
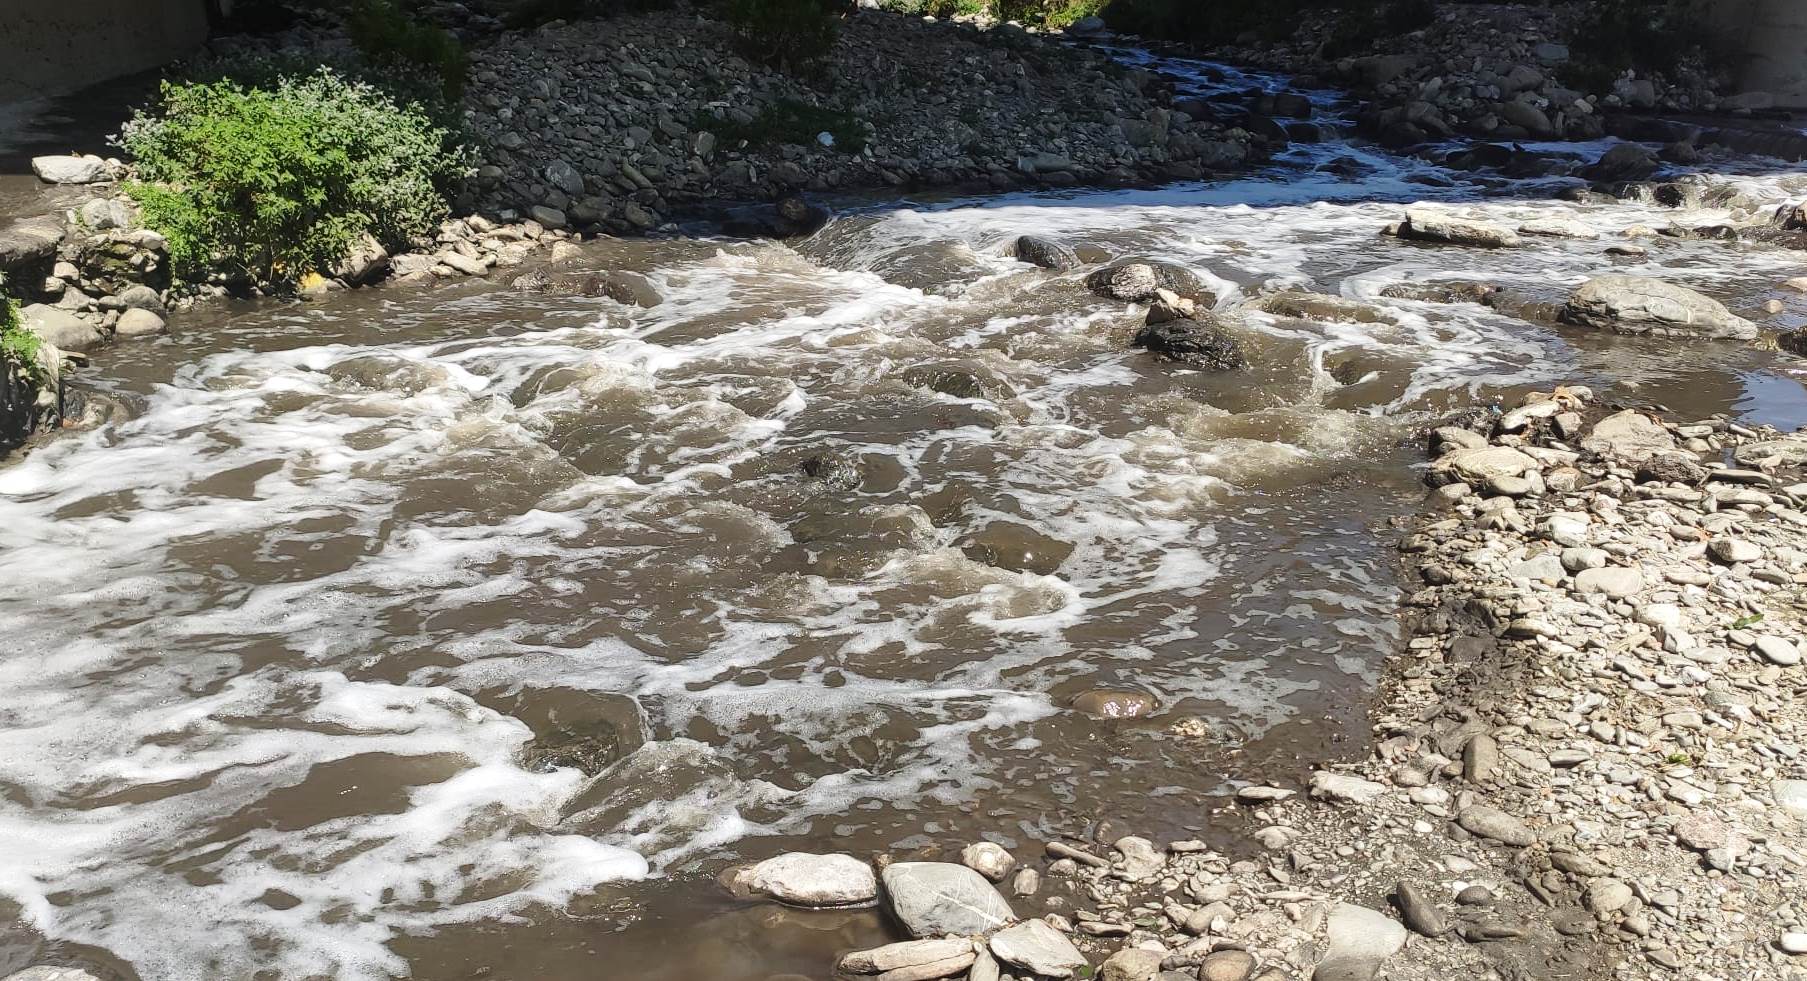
(1588, 754)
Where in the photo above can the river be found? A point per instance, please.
(463, 632)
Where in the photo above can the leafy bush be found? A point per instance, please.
(1048, 13)
(1359, 22)
(18, 346)
(389, 38)
(533, 13)
(272, 183)
(787, 34)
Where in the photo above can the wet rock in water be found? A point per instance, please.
(797, 216)
(630, 289)
(1199, 343)
(1360, 939)
(954, 954)
(1028, 882)
(626, 288)
(989, 859)
(803, 879)
(1623, 162)
(1017, 547)
(1322, 306)
(1046, 253)
(1557, 228)
(1131, 964)
(1140, 281)
(1428, 225)
(1629, 435)
(1440, 292)
(1107, 703)
(958, 381)
(834, 469)
(935, 899)
(1640, 305)
(1038, 948)
(1226, 965)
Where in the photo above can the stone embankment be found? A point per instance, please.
(1588, 757)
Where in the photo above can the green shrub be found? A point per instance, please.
(533, 13)
(1054, 14)
(389, 38)
(786, 34)
(272, 183)
(18, 346)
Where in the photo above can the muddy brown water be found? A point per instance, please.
(457, 632)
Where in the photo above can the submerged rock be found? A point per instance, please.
(1427, 225)
(910, 954)
(1301, 305)
(629, 289)
(1107, 703)
(1046, 253)
(1640, 305)
(934, 899)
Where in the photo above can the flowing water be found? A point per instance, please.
(461, 632)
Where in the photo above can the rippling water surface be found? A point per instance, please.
(463, 633)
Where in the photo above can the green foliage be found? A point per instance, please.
(1053, 14)
(389, 38)
(1360, 23)
(18, 346)
(793, 122)
(786, 34)
(1646, 35)
(271, 183)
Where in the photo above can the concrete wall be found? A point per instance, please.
(1772, 35)
(53, 46)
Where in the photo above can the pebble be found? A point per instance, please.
(1777, 651)
(1793, 943)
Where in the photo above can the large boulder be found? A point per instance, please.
(61, 328)
(1139, 281)
(936, 899)
(1640, 305)
(1039, 949)
(66, 169)
(803, 879)
(1046, 253)
(1201, 344)
(1624, 162)
(1430, 225)
(28, 249)
(1359, 940)
(1629, 435)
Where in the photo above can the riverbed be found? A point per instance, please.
(459, 631)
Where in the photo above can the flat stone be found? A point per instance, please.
(1140, 859)
(1787, 450)
(1360, 939)
(1478, 466)
(137, 322)
(1640, 305)
(1557, 228)
(1038, 948)
(1791, 796)
(1617, 582)
(1431, 225)
(1794, 944)
(1732, 551)
(804, 879)
(1131, 964)
(1777, 650)
(1326, 785)
(1489, 822)
(1629, 435)
(910, 953)
(935, 899)
(1226, 965)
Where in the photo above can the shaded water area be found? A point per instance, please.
(459, 632)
